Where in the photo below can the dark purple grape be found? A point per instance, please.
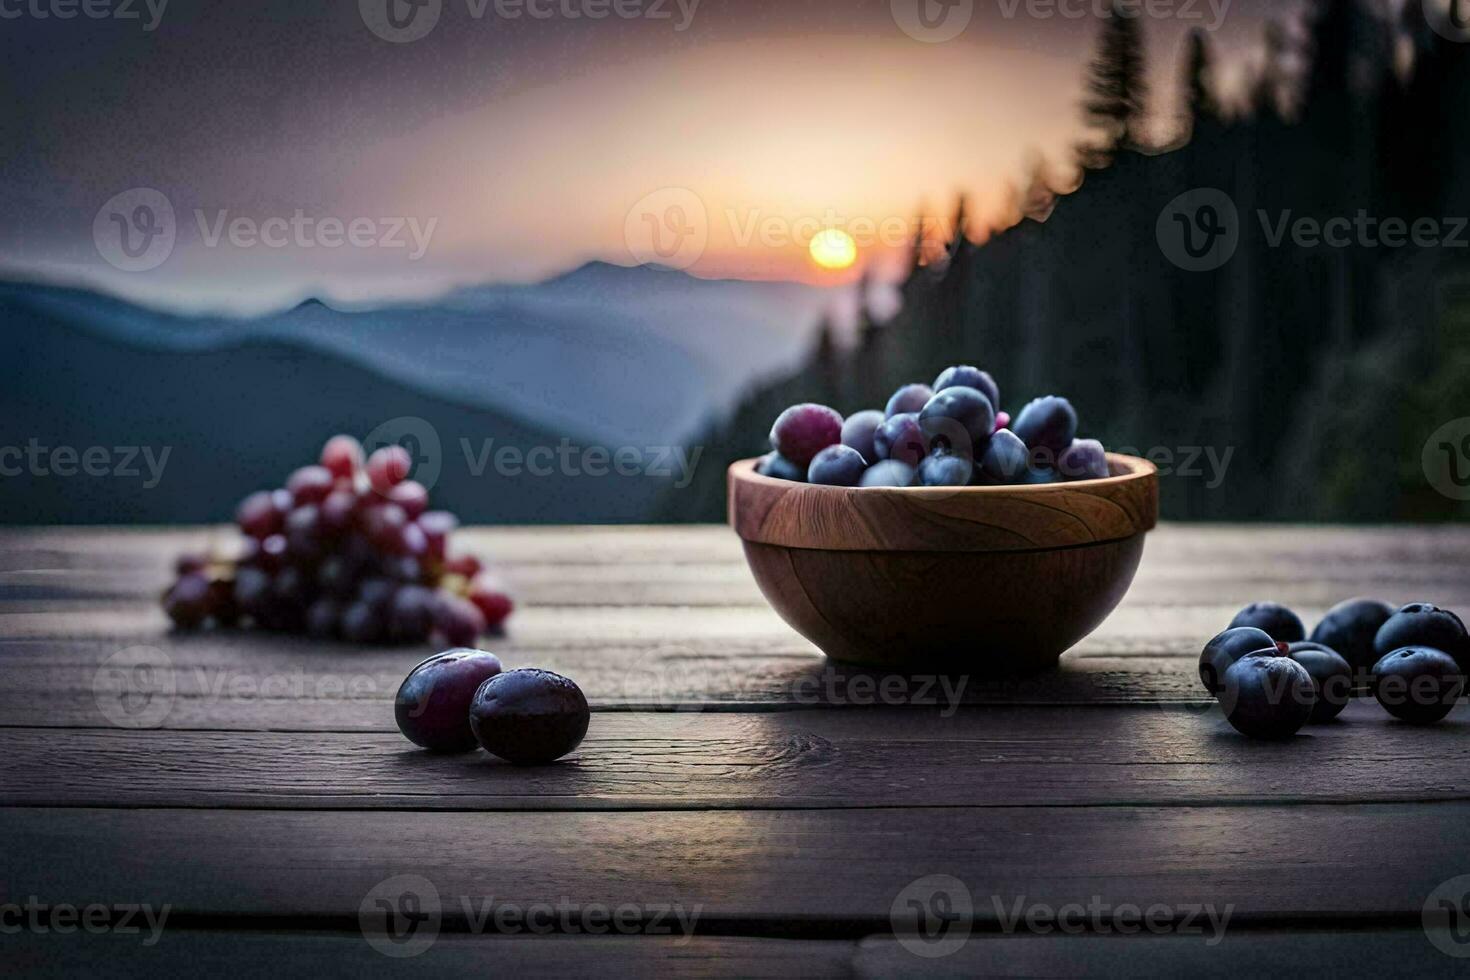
(376, 593)
(342, 456)
(432, 706)
(901, 438)
(959, 419)
(337, 511)
(310, 485)
(411, 614)
(858, 431)
(361, 623)
(1417, 684)
(1048, 422)
(1283, 624)
(940, 469)
(252, 590)
(222, 606)
(191, 564)
(412, 541)
(292, 585)
(908, 400)
(837, 466)
(1331, 675)
(324, 618)
(337, 576)
(963, 375)
(1225, 648)
(402, 568)
(1268, 696)
(1349, 628)
(383, 526)
(457, 619)
(529, 717)
(1083, 460)
(304, 532)
(804, 430)
(888, 473)
(778, 467)
(1005, 460)
(1423, 624)
(272, 553)
(187, 602)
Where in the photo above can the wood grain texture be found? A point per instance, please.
(977, 612)
(859, 757)
(966, 519)
(756, 872)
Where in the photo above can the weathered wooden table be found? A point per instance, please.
(1102, 819)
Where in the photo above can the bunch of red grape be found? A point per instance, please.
(347, 549)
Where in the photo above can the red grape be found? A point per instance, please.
(804, 430)
(437, 525)
(272, 552)
(188, 602)
(384, 525)
(258, 515)
(388, 467)
(457, 619)
(342, 456)
(411, 496)
(493, 604)
(310, 484)
(467, 565)
(337, 511)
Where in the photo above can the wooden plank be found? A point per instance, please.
(213, 952)
(868, 757)
(1240, 953)
(756, 872)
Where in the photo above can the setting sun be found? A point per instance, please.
(833, 248)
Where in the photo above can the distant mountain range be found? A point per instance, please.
(603, 356)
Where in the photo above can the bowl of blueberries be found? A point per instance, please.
(940, 531)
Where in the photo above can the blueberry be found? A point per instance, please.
(1049, 422)
(803, 430)
(888, 473)
(1349, 628)
(837, 466)
(1267, 696)
(529, 717)
(1332, 677)
(941, 469)
(969, 377)
(1040, 475)
(1423, 624)
(1417, 684)
(1005, 459)
(432, 707)
(900, 438)
(1283, 624)
(858, 431)
(1225, 648)
(959, 418)
(1085, 459)
(909, 398)
(779, 467)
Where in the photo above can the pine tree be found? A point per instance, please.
(1117, 91)
(1199, 83)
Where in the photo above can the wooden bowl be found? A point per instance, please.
(954, 578)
